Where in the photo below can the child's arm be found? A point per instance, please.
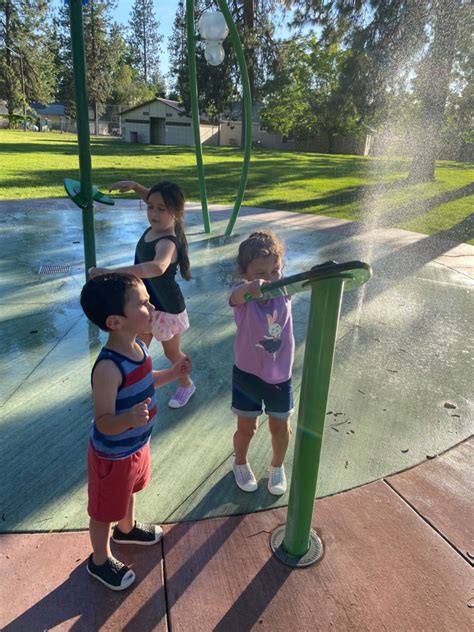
(105, 383)
(237, 296)
(129, 185)
(180, 369)
(164, 253)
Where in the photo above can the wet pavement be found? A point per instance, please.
(402, 378)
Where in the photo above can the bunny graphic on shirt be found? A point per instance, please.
(272, 342)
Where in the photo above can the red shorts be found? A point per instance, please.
(112, 483)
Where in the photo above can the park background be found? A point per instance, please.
(389, 80)
(395, 478)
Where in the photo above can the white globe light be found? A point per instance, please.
(214, 53)
(212, 26)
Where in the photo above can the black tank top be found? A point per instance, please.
(165, 293)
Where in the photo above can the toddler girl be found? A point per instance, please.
(264, 351)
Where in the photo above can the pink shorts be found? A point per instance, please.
(166, 326)
(112, 483)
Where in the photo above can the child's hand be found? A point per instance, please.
(95, 272)
(123, 186)
(139, 414)
(253, 288)
(182, 367)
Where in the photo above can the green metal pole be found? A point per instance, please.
(244, 77)
(326, 300)
(191, 41)
(83, 135)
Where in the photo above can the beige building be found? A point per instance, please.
(230, 134)
(164, 122)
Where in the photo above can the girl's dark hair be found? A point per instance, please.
(105, 296)
(174, 199)
(263, 243)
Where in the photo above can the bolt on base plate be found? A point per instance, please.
(312, 555)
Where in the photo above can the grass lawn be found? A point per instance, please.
(33, 165)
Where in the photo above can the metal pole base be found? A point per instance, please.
(312, 555)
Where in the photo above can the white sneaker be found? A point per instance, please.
(182, 396)
(244, 477)
(277, 480)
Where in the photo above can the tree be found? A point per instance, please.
(304, 96)
(458, 132)
(145, 41)
(216, 83)
(435, 77)
(60, 44)
(393, 41)
(256, 27)
(219, 86)
(25, 57)
(99, 54)
(103, 51)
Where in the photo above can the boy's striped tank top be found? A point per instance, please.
(137, 385)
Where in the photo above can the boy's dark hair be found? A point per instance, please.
(105, 296)
(174, 199)
(262, 243)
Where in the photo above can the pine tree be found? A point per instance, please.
(26, 61)
(99, 54)
(178, 71)
(145, 41)
(100, 44)
(219, 86)
(61, 46)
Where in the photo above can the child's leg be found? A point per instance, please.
(128, 522)
(280, 430)
(244, 477)
(101, 564)
(128, 530)
(99, 533)
(173, 353)
(246, 429)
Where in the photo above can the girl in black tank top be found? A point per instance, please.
(160, 251)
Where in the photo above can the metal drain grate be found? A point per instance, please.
(54, 270)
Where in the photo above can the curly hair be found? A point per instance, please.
(263, 243)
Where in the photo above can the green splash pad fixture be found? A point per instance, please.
(297, 544)
(73, 189)
(354, 274)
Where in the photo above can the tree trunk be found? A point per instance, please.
(9, 97)
(96, 119)
(249, 22)
(436, 86)
(145, 56)
(330, 135)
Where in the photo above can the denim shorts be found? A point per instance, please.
(249, 391)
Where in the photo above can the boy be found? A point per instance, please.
(123, 391)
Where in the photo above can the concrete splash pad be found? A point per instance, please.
(401, 380)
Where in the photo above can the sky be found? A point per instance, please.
(165, 11)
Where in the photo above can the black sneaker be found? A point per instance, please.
(144, 534)
(112, 573)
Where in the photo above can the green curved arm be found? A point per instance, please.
(247, 109)
(195, 112)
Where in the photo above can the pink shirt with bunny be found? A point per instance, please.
(264, 344)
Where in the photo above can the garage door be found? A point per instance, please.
(179, 134)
